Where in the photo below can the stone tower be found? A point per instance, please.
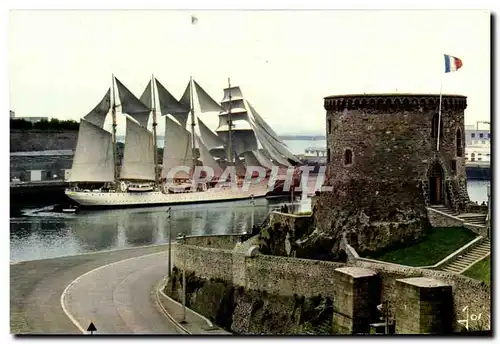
(384, 167)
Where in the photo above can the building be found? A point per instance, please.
(40, 165)
(12, 114)
(475, 136)
(384, 167)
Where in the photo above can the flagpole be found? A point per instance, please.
(439, 114)
(191, 96)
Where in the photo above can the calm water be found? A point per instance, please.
(48, 234)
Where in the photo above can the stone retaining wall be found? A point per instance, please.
(288, 276)
(205, 262)
(439, 219)
(298, 224)
(474, 295)
(309, 278)
(213, 241)
(479, 230)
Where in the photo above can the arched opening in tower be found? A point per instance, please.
(436, 184)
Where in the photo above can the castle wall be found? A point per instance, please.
(286, 276)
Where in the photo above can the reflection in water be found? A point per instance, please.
(94, 233)
(140, 228)
(46, 234)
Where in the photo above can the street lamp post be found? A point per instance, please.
(169, 242)
(182, 236)
(183, 284)
(253, 213)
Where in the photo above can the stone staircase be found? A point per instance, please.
(475, 219)
(445, 209)
(468, 218)
(466, 260)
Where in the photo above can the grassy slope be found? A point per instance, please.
(436, 245)
(480, 270)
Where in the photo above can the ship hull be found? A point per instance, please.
(156, 198)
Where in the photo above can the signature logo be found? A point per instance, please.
(472, 317)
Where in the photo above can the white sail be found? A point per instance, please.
(236, 105)
(138, 157)
(231, 94)
(207, 159)
(235, 117)
(177, 149)
(260, 126)
(98, 115)
(202, 101)
(132, 106)
(269, 147)
(257, 158)
(209, 138)
(250, 159)
(94, 157)
(170, 105)
(146, 97)
(262, 123)
(242, 140)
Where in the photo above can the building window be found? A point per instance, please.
(348, 157)
(473, 157)
(454, 166)
(489, 135)
(328, 155)
(460, 151)
(434, 129)
(329, 126)
(481, 135)
(473, 135)
(483, 142)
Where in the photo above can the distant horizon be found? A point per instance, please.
(305, 133)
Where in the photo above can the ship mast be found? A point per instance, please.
(191, 96)
(154, 130)
(113, 112)
(230, 125)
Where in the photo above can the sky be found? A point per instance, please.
(60, 62)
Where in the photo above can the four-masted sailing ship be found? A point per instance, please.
(99, 179)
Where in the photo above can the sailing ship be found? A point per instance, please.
(99, 179)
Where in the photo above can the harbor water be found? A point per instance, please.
(46, 234)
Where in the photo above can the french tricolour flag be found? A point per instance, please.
(451, 63)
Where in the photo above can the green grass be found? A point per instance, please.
(434, 246)
(480, 270)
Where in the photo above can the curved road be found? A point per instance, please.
(111, 289)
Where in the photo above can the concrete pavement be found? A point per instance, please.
(117, 298)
